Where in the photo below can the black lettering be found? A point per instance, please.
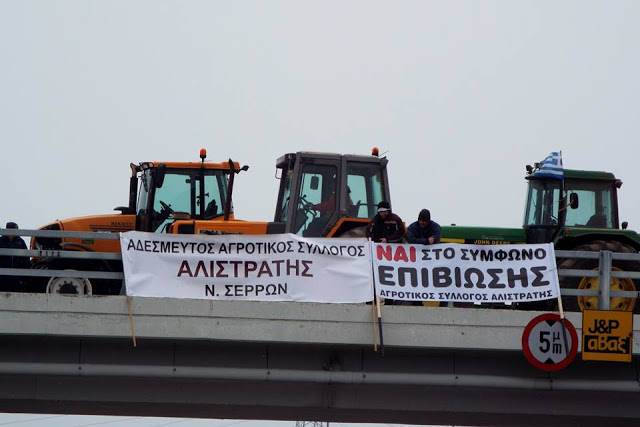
(449, 253)
(495, 278)
(512, 277)
(479, 278)
(441, 277)
(413, 276)
(385, 273)
(501, 255)
(486, 255)
(537, 281)
(282, 289)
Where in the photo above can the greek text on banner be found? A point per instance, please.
(465, 273)
(282, 267)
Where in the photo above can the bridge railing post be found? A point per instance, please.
(604, 280)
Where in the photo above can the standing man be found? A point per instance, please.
(385, 226)
(12, 283)
(424, 231)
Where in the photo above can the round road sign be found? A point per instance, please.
(547, 344)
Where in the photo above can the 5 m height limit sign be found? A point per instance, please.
(549, 342)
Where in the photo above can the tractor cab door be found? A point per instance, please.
(317, 198)
(309, 194)
(366, 185)
(544, 215)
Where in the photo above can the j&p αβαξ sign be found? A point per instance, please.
(607, 335)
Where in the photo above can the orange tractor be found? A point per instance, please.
(321, 195)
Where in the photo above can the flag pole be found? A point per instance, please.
(564, 327)
(373, 323)
(376, 301)
(380, 325)
(133, 334)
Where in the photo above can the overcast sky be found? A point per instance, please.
(459, 94)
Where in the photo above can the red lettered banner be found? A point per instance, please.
(465, 273)
(282, 267)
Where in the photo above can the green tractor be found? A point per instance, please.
(576, 211)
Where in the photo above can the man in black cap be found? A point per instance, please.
(12, 283)
(424, 231)
(385, 226)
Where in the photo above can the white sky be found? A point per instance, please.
(461, 94)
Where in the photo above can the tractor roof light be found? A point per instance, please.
(203, 154)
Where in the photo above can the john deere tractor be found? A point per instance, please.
(578, 212)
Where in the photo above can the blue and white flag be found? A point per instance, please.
(551, 166)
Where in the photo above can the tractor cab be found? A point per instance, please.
(324, 195)
(582, 199)
(178, 191)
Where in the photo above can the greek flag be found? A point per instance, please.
(551, 166)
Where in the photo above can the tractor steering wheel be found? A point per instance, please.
(307, 207)
(166, 210)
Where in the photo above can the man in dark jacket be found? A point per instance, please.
(385, 226)
(424, 231)
(12, 283)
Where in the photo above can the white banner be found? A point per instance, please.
(465, 273)
(282, 267)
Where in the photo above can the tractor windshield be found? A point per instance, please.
(595, 204)
(184, 194)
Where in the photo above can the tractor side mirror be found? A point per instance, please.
(315, 182)
(158, 176)
(574, 201)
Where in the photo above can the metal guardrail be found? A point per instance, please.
(604, 271)
(72, 254)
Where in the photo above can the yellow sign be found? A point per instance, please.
(606, 335)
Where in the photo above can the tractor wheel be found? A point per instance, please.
(580, 303)
(70, 286)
